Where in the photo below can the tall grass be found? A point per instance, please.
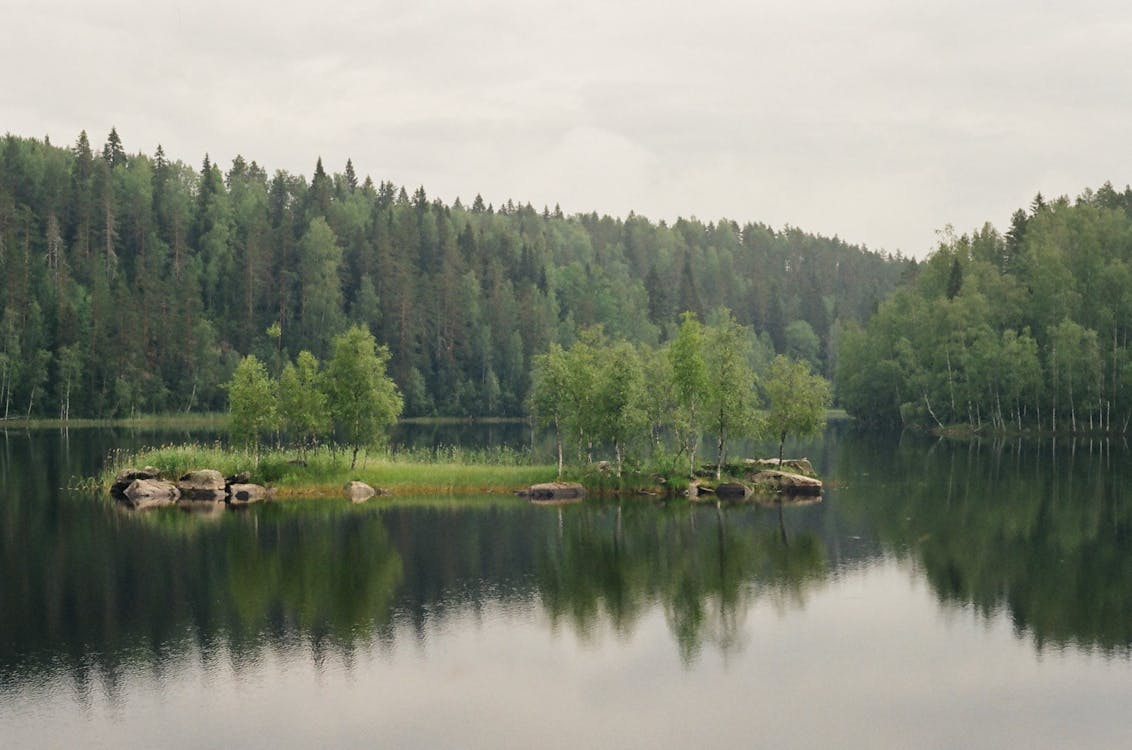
(437, 470)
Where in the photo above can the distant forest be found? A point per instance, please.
(134, 284)
(1015, 332)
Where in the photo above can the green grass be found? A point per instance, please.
(439, 471)
(443, 470)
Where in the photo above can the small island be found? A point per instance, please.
(172, 476)
(303, 433)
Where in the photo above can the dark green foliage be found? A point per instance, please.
(955, 279)
(146, 280)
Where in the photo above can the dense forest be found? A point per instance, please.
(1007, 333)
(134, 284)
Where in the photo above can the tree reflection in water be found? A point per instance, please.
(1038, 532)
(705, 565)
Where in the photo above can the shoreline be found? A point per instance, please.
(325, 473)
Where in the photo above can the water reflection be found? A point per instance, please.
(1039, 531)
(1036, 532)
(705, 566)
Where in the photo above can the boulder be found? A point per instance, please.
(126, 476)
(202, 479)
(242, 477)
(785, 482)
(202, 484)
(557, 492)
(359, 492)
(150, 493)
(792, 465)
(246, 494)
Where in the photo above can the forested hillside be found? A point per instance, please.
(134, 283)
(1027, 330)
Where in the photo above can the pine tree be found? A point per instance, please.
(954, 279)
(112, 152)
(351, 177)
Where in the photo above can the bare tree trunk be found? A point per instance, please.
(950, 381)
(1072, 409)
(927, 403)
(558, 445)
(693, 443)
(719, 453)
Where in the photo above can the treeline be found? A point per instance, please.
(133, 283)
(1027, 330)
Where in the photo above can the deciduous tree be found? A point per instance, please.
(252, 403)
(798, 400)
(303, 411)
(363, 399)
(731, 397)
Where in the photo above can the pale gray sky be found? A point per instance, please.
(875, 120)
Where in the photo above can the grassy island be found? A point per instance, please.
(445, 470)
(322, 472)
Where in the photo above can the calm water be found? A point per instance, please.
(943, 595)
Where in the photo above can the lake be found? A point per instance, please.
(943, 594)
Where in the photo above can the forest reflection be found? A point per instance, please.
(116, 590)
(705, 566)
(1037, 532)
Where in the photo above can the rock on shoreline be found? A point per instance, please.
(556, 492)
(150, 493)
(785, 482)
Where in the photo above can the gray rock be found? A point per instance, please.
(557, 492)
(792, 465)
(202, 484)
(785, 482)
(246, 494)
(359, 492)
(702, 489)
(126, 476)
(242, 478)
(150, 493)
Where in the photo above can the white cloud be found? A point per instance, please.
(879, 121)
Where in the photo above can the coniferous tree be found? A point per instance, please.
(112, 152)
(159, 277)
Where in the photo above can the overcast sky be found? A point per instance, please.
(880, 122)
